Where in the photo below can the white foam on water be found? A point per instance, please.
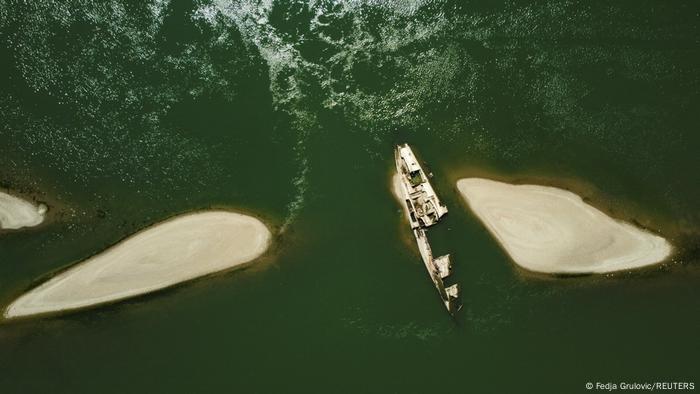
(251, 19)
(289, 70)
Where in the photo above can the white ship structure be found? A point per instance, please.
(424, 207)
(424, 210)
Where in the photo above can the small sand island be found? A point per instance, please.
(177, 250)
(16, 213)
(550, 230)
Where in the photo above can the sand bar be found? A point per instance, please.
(550, 230)
(177, 250)
(16, 213)
(397, 191)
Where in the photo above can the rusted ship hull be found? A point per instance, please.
(424, 210)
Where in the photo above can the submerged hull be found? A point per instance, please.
(438, 268)
(424, 210)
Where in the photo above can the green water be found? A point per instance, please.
(121, 114)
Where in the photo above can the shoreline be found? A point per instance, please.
(59, 207)
(619, 207)
(681, 230)
(550, 230)
(154, 258)
(17, 213)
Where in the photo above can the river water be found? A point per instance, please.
(121, 114)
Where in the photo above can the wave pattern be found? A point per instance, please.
(501, 81)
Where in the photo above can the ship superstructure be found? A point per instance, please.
(423, 205)
(424, 209)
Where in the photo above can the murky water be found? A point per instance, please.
(120, 114)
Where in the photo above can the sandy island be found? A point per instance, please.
(16, 213)
(550, 230)
(168, 253)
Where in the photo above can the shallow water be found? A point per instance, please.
(120, 115)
